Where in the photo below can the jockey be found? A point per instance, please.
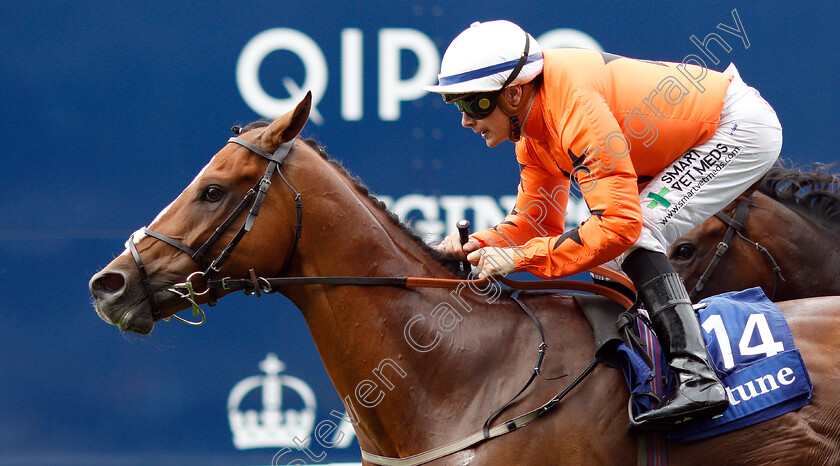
(656, 148)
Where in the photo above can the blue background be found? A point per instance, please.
(110, 108)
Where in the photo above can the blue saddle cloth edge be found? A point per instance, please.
(779, 401)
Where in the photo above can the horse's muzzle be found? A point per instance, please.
(118, 303)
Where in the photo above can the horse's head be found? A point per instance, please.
(749, 220)
(198, 230)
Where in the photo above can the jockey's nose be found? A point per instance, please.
(107, 284)
(466, 120)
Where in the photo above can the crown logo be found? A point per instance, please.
(272, 426)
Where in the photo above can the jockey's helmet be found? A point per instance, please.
(487, 57)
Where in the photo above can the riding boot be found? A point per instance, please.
(698, 393)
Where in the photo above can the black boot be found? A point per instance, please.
(699, 393)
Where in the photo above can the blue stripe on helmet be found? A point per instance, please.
(486, 71)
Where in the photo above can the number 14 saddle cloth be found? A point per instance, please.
(750, 347)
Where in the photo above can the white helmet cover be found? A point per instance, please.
(482, 57)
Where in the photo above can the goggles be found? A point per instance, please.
(477, 106)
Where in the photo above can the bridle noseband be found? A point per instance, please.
(257, 194)
(736, 226)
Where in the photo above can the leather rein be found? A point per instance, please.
(258, 285)
(736, 226)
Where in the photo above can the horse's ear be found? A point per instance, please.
(286, 127)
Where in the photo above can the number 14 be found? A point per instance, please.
(756, 322)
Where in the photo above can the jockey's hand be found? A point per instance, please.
(451, 246)
(493, 261)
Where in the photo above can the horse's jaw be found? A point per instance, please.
(130, 315)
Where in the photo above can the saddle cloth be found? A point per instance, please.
(751, 349)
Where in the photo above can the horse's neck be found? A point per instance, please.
(344, 233)
(808, 252)
(816, 262)
(374, 361)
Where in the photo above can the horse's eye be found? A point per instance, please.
(213, 193)
(683, 252)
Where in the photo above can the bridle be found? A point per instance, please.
(257, 195)
(736, 226)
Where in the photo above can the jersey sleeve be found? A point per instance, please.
(608, 183)
(540, 209)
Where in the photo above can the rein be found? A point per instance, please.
(255, 285)
(736, 226)
(258, 285)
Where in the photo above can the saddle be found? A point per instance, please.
(619, 343)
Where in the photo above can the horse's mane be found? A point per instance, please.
(815, 193)
(450, 263)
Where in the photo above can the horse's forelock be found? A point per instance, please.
(238, 130)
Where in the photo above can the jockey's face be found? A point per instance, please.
(494, 129)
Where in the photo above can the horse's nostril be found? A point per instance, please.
(113, 282)
(108, 284)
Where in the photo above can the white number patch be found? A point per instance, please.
(768, 346)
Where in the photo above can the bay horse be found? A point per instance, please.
(412, 388)
(789, 242)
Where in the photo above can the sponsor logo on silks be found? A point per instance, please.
(697, 183)
(693, 166)
(272, 426)
(659, 199)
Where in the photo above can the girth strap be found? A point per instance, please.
(499, 430)
(537, 367)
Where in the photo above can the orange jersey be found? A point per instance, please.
(613, 123)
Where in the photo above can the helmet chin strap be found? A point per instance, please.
(512, 112)
(515, 129)
(527, 93)
(509, 110)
